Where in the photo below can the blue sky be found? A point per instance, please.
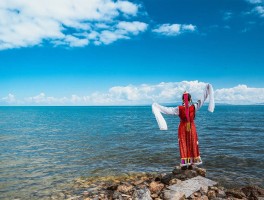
(64, 50)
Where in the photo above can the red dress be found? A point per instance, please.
(188, 139)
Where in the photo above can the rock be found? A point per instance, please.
(117, 195)
(155, 187)
(211, 194)
(214, 188)
(174, 181)
(154, 196)
(85, 193)
(166, 178)
(124, 188)
(138, 182)
(112, 187)
(58, 196)
(190, 173)
(253, 192)
(235, 193)
(204, 197)
(200, 171)
(173, 195)
(192, 185)
(197, 194)
(141, 194)
(221, 194)
(204, 190)
(177, 170)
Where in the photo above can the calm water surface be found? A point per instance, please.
(45, 148)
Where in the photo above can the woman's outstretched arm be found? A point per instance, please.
(158, 109)
(208, 91)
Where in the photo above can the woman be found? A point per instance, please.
(187, 135)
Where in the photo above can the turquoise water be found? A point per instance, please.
(44, 148)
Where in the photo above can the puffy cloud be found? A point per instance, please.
(65, 22)
(174, 29)
(255, 1)
(258, 7)
(169, 92)
(240, 94)
(42, 99)
(9, 99)
(259, 10)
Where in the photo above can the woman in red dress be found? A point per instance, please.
(187, 135)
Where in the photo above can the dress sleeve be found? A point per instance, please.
(158, 109)
(208, 91)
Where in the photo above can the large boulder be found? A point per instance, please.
(192, 185)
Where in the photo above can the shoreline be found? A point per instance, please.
(178, 184)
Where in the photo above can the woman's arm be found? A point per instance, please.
(208, 91)
(158, 109)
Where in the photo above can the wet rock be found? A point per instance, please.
(174, 181)
(117, 195)
(235, 193)
(190, 173)
(138, 182)
(214, 188)
(201, 171)
(124, 188)
(85, 193)
(155, 187)
(141, 194)
(177, 170)
(221, 194)
(166, 178)
(253, 192)
(154, 196)
(173, 195)
(211, 194)
(112, 187)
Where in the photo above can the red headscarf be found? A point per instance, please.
(186, 104)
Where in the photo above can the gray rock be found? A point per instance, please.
(142, 194)
(221, 194)
(204, 190)
(190, 173)
(166, 178)
(177, 170)
(192, 185)
(117, 195)
(173, 195)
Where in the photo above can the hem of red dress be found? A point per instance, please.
(191, 161)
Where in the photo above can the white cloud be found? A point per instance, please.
(258, 7)
(9, 99)
(28, 23)
(240, 94)
(254, 1)
(132, 27)
(227, 15)
(259, 10)
(174, 29)
(123, 30)
(170, 92)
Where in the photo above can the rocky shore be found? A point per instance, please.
(177, 185)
